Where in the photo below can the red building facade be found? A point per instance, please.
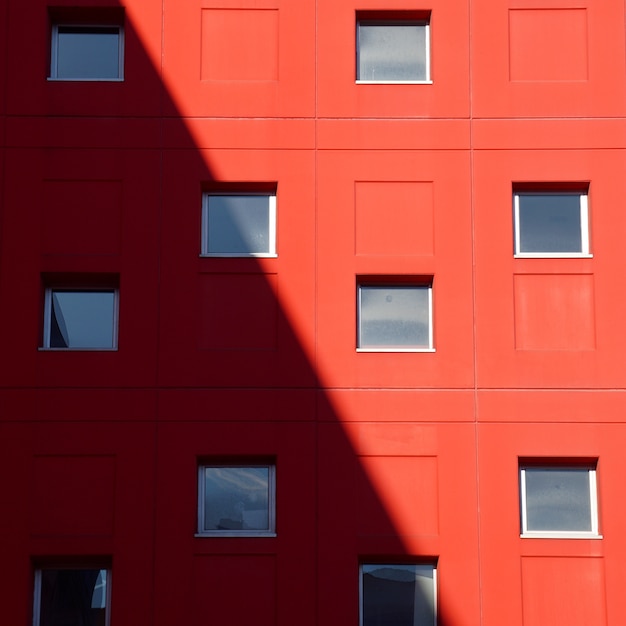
(473, 428)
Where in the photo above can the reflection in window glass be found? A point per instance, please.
(393, 316)
(71, 597)
(398, 595)
(239, 225)
(86, 53)
(551, 223)
(237, 500)
(558, 500)
(394, 51)
(80, 319)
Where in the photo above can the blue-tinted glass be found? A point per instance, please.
(398, 595)
(67, 597)
(82, 319)
(239, 224)
(236, 498)
(550, 223)
(88, 52)
(392, 52)
(393, 316)
(558, 499)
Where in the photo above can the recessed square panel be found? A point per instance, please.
(564, 590)
(73, 495)
(554, 312)
(397, 495)
(239, 45)
(394, 218)
(238, 312)
(82, 217)
(240, 588)
(548, 45)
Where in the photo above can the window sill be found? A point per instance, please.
(559, 535)
(225, 533)
(552, 255)
(233, 255)
(84, 80)
(375, 350)
(394, 82)
(44, 349)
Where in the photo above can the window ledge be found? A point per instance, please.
(394, 82)
(552, 255)
(395, 350)
(43, 349)
(559, 535)
(85, 80)
(225, 533)
(233, 255)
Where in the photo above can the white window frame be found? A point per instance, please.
(395, 22)
(37, 590)
(584, 226)
(271, 206)
(47, 321)
(382, 564)
(54, 55)
(271, 503)
(561, 534)
(428, 286)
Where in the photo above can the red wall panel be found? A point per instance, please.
(513, 295)
(340, 96)
(240, 58)
(442, 206)
(547, 59)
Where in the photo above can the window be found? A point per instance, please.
(239, 224)
(559, 501)
(236, 500)
(87, 52)
(398, 594)
(394, 317)
(551, 224)
(80, 319)
(393, 47)
(72, 596)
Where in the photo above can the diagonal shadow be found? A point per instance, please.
(217, 360)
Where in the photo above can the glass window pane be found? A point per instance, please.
(394, 316)
(85, 52)
(558, 499)
(392, 52)
(239, 224)
(73, 596)
(398, 595)
(82, 319)
(237, 498)
(550, 223)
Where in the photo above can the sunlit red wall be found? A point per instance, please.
(388, 456)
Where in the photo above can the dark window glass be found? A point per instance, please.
(87, 52)
(72, 597)
(550, 223)
(558, 499)
(398, 595)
